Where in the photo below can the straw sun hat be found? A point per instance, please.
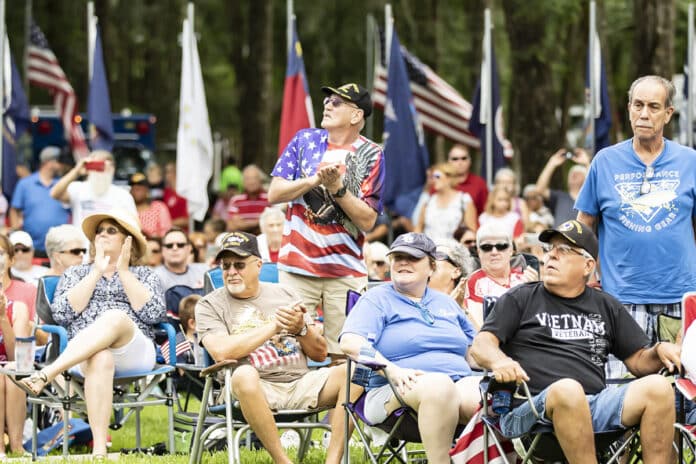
(124, 219)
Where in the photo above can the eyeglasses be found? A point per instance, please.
(75, 251)
(487, 247)
(336, 102)
(169, 246)
(459, 158)
(22, 249)
(425, 313)
(565, 250)
(110, 230)
(238, 265)
(469, 242)
(645, 186)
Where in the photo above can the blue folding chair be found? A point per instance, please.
(132, 392)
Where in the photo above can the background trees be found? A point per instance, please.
(540, 47)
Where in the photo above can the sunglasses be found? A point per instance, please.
(75, 251)
(155, 251)
(169, 246)
(469, 242)
(110, 230)
(459, 158)
(425, 313)
(565, 250)
(238, 265)
(336, 102)
(645, 186)
(487, 247)
(379, 263)
(21, 249)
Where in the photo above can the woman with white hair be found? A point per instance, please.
(507, 178)
(109, 308)
(271, 223)
(452, 271)
(497, 275)
(65, 247)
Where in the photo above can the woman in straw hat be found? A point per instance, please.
(108, 308)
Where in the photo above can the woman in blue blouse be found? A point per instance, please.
(108, 308)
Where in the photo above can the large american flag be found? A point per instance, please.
(441, 109)
(44, 71)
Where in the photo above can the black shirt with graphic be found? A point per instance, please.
(555, 338)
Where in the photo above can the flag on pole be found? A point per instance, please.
(404, 147)
(194, 141)
(15, 120)
(487, 97)
(44, 71)
(602, 116)
(297, 112)
(101, 127)
(441, 109)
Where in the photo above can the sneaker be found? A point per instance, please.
(290, 439)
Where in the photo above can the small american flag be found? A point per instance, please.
(44, 71)
(469, 446)
(182, 346)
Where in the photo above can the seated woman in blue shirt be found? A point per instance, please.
(422, 336)
(108, 308)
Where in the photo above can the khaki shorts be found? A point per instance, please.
(331, 294)
(302, 393)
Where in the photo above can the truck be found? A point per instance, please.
(134, 139)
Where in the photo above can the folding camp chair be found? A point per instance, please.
(131, 392)
(686, 389)
(540, 443)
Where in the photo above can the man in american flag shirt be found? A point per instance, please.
(332, 179)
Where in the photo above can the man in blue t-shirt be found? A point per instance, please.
(641, 194)
(33, 209)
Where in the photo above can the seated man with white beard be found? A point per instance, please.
(96, 194)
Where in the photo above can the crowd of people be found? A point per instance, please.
(574, 306)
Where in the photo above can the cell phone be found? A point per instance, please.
(569, 155)
(96, 165)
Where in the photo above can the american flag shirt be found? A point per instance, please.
(319, 240)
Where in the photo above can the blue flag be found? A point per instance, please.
(15, 123)
(405, 152)
(502, 148)
(602, 118)
(101, 127)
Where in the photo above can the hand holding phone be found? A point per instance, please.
(95, 165)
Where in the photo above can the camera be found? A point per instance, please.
(569, 155)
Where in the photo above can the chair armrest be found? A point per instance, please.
(57, 330)
(218, 366)
(171, 336)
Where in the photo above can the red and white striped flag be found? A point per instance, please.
(469, 446)
(44, 71)
(441, 109)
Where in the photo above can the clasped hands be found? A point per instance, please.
(330, 177)
(290, 319)
(101, 261)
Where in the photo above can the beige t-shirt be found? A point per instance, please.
(279, 359)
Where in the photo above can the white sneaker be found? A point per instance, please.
(290, 439)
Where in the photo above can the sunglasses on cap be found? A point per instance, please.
(169, 246)
(487, 247)
(645, 186)
(75, 251)
(21, 249)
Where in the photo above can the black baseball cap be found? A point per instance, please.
(240, 244)
(354, 93)
(576, 233)
(138, 179)
(416, 245)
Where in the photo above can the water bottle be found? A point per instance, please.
(198, 357)
(362, 373)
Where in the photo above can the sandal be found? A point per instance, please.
(35, 384)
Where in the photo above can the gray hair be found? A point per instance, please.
(269, 212)
(458, 254)
(57, 237)
(666, 83)
(510, 173)
(492, 230)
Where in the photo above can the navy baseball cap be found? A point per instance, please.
(416, 245)
(576, 233)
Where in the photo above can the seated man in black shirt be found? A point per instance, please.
(556, 335)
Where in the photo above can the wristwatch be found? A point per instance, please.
(302, 332)
(341, 192)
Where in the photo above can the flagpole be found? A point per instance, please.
(2, 80)
(91, 35)
(388, 29)
(489, 96)
(192, 38)
(290, 11)
(691, 75)
(370, 66)
(592, 72)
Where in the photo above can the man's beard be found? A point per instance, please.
(99, 182)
